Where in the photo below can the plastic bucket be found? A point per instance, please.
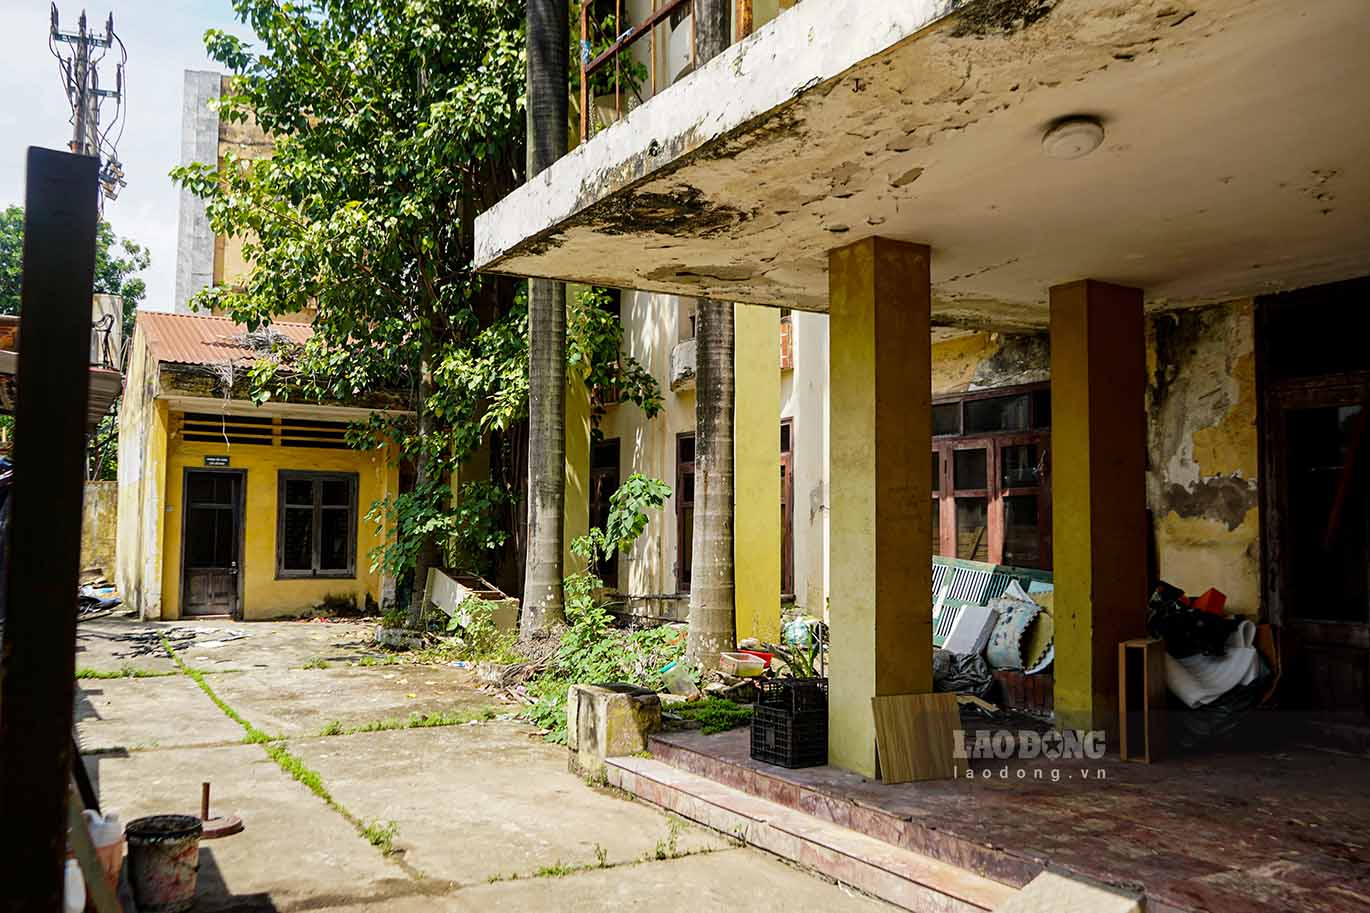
(163, 859)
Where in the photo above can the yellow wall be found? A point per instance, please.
(756, 473)
(142, 473)
(263, 596)
(1204, 451)
(99, 527)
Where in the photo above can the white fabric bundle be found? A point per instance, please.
(1199, 679)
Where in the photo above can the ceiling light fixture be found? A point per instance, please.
(1073, 137)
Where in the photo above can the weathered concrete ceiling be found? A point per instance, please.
(1235, 160)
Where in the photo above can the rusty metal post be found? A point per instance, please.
(618, 75)
(744, 18)
(45, 525)
(583, 52)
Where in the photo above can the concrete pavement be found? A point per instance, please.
(474, 816)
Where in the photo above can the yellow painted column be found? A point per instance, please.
(880, 399)
(756, 472)
(576, 508)
(161, 578)
(1098, 472)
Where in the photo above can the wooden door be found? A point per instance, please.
(1318, 502)
(211, 542)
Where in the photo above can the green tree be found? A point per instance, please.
(117, 264)
(118, 261)
(394, 123)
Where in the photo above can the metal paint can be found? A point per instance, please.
(163, 860)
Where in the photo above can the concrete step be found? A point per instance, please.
(901, 877)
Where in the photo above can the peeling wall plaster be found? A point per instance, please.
(1201, 435)
(1203, 450)
(982, 361)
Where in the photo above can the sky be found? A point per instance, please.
(164, 39)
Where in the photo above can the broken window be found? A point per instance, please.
(991, 499)
(316, 524)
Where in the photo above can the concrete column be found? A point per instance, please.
(199, 143)
(576, 507)
(1098, 472)
(756, 472)
(880, 393)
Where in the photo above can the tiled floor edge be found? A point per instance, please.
(989, 862)
(788, 842)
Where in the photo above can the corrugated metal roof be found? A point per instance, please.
(192, 339)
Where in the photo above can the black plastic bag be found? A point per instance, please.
(1186, 630)
(963, 673)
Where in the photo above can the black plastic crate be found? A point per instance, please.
(789, 738)
(794, 694)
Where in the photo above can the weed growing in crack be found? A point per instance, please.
(557, 869)
(601, 857)
(317, 662)
(378, 835)
(413, 721)
(122, 672)
(381, 836)
(669, 847)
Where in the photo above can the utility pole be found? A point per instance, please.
(79, 67)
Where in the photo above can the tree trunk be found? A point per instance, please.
(712, 606)
(429, 553)
(548, 60)
(712, 587)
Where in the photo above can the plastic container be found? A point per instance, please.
(73, 888)
(761, 655)
(789, 739)
(107, 833)
(743, 665)
(679, 680)
(163, 860)
(794, 694)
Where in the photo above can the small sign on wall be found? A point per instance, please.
(216, 461)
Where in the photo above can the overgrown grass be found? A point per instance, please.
(715, 714)
(378, 835)
(123, 672)
(413, 721)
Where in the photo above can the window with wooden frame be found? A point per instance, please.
(316, 524)
(991, 494)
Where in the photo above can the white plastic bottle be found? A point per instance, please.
(73, 889)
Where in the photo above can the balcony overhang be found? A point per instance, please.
(1236, 161)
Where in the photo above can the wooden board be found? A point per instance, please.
(915, 736)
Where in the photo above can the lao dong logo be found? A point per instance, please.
(1027, 745)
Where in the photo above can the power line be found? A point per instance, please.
(79, 55)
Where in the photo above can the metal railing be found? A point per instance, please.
(625, 39)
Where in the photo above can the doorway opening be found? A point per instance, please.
(211, 542)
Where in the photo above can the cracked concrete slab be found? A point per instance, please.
(725, 882)
(293, 846)
(142, 713)
(493, 799)
(299, 702)
(101, 644)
